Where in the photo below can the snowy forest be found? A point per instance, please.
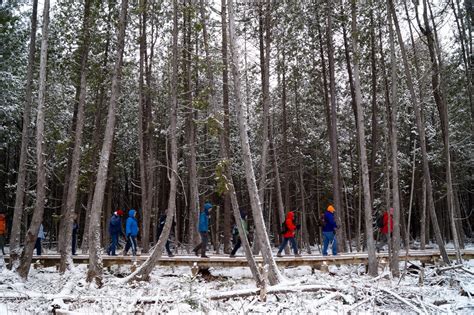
(251, 109)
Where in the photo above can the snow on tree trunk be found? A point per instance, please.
(422, 135)
(274, 275)
(438, 94)
(362, 149)
(143, 272)
(20, 187)
(95, 260)
(332, 123)
(32, 233)
(65, 232)
(393, 134)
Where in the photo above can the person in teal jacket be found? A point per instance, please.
(203, 230)
(131, 231)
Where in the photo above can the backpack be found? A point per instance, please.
(322, 220)
(380, 221)
(3, 225)
(283, 228)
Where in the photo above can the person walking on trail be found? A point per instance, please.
(329, 231)
(235, 232)
(386, 228)
(289, 228)
(115, 230)
(131, 229)
(3, 231)
(75, 229)
(203, 230)
(40, 238)
(161, 225)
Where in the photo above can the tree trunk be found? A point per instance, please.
(143, 272)
(440, 101)
(362, 150)
(65, 229)
(20, 187)
(95, 259)
(274, 275)
(332, 123)
(32, 233)
(393, 134)
(422, 135)
(145, 133)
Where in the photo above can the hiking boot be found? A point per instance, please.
(170, 255)
(297, 255)
(231, 256)
(279, 255)
(204, 256)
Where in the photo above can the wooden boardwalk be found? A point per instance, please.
(314, 261)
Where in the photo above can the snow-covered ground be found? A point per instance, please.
(173, 290)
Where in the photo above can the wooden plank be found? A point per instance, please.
(428, 256)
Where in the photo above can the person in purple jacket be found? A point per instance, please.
(329, 231)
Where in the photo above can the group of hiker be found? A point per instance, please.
(288, 231)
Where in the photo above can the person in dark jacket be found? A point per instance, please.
(329, 231)
(386, 227)
(115, 230)
(161, 225)
(75, 228)
(131, 230)
(203, 229)
(238, 243)
(289, 235)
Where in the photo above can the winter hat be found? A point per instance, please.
(331, 208)
(207, 206)
(119, 212)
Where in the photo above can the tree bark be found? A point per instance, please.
(332, 125)
(393, 135)
(32, 233)
(95, 260)
(65, 228)
(143, 272)
(362, 149)
(274, 275)
(21, 180)
(422, 135)
(438, 93)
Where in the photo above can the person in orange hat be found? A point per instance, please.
(329, 231)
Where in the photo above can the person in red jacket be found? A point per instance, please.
(289, 235)
(386, 227)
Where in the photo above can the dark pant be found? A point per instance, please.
(131, 243)
(236, 247)
(113, 244)
(285, 242)
(74, 243)
(167, 246)
(203, 245)
(2, 243)
(38, 246)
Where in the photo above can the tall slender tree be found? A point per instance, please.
(95, 260)
(32, 233)
(20, 186)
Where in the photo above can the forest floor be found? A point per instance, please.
(174, 290)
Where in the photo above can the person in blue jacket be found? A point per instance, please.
(329, 231)
(203, 229)
(131, 230)
(115, 230)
